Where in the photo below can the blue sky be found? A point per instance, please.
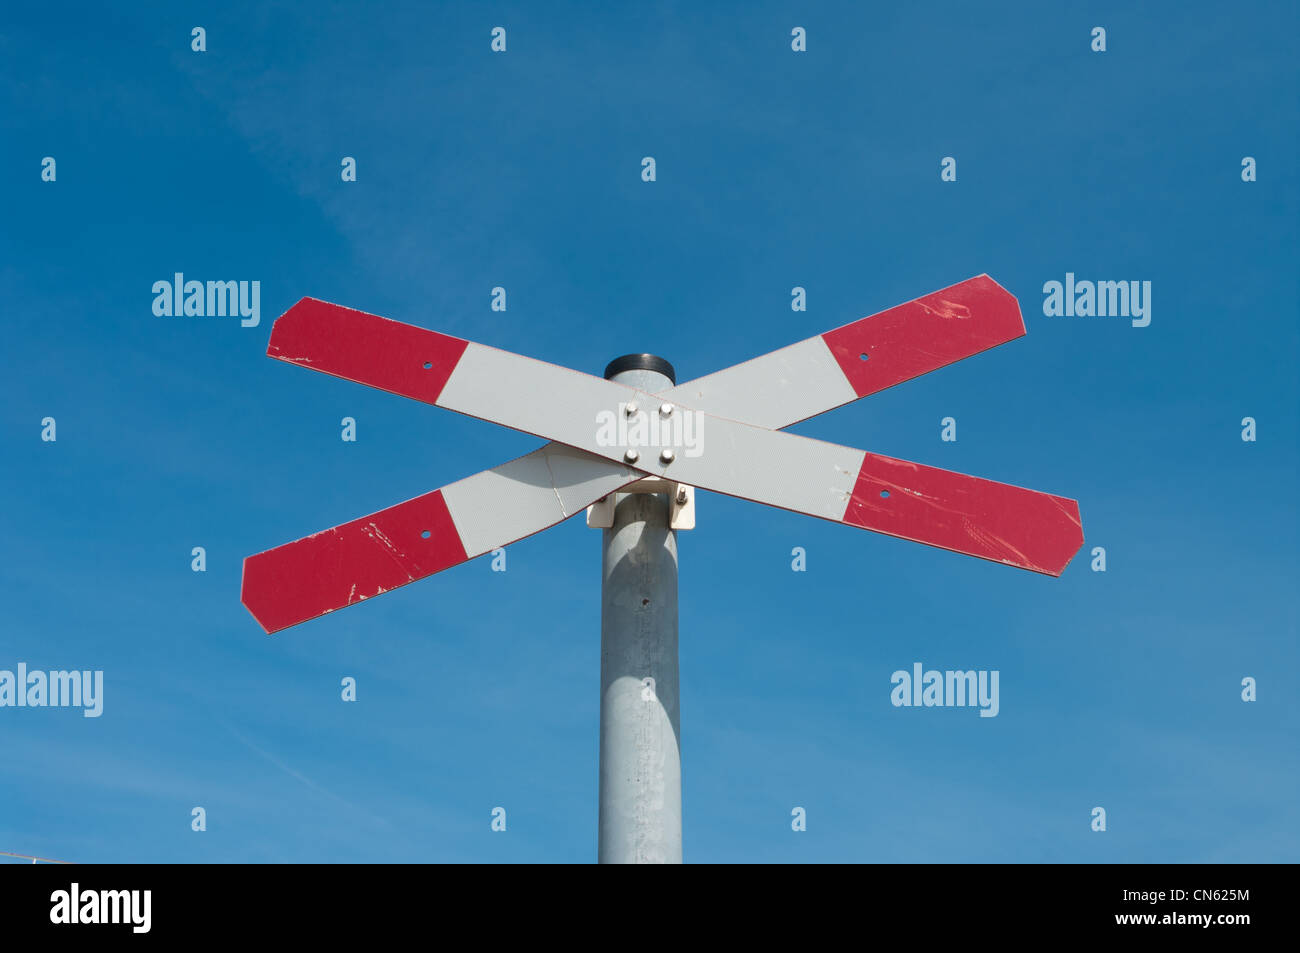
(775, 169)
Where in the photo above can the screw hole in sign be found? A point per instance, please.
(425, 535)
(428, 365)
(864, 356)
(884, 494)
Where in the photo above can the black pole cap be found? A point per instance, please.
(640, 362)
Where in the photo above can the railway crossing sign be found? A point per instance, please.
(636, 435)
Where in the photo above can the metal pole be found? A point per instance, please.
(640, 760)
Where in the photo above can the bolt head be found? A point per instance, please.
(631, 456)
(667, 456)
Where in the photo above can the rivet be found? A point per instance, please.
(667, 456)
(631, 456)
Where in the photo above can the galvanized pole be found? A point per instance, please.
(640, 728)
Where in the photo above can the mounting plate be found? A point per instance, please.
(600, 515)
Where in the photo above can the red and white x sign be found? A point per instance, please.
(736, 416)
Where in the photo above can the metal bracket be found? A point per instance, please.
(600, 515)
